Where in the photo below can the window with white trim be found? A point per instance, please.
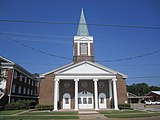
(31, 92)
(19, 89)
(25, 79)
(28, 91)
(29, 81)
(24, 90)
(15, 74)
(20, 77)
(83, 49)
(14, 88)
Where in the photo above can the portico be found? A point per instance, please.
(84, 96)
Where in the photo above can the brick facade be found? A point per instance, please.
(46, 91)
(46, 96)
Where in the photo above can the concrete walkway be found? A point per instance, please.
(91, 115)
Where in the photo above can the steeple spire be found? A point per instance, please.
(82, 28)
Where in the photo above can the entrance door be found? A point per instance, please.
(66, 101)
(102, 101)
(85, 100)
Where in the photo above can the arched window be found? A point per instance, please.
(66, 101)
(102, 100)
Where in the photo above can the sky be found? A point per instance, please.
(110, 43)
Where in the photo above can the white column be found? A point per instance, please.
(89, 51)
(115, 94)
(56, 94)
(110, 90)
(76, 94)
(96, 93)
(78, 48)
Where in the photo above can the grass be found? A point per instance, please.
(50, 113)
(37, 117)
(128, 114)
(121, 111)
(132, 115)
(10, 112)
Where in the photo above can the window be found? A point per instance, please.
(3, 72)
(29, 81)
(14, 88)
(19, 89)
(20, 77)
(79, 101)
(66, 100)
(28, 91)
(84, 100)
(25, 79)
(15, 74)
(101, 100)
(24, 90)
(31, 92)
(83, 49)
(32, 83)
(89, 100)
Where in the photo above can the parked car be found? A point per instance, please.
(152, 103)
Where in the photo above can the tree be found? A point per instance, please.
(141, 89)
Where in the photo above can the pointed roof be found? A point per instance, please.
(82, 28)
(84, 68)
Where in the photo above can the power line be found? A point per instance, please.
(75, 23)
(53, 55)
(34, 49)
(130, 58)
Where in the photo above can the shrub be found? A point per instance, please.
(21, 104)
(124, 106)
(44, 107)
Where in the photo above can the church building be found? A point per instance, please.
(83, 84)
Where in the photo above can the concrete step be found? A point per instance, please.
(88, 112)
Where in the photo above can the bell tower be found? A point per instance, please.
(83, 42)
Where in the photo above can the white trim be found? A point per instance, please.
(89, 49)
(68, 105)
(72, 65)
(96, 93)
(89, 77)
(115, 94)
(102, 105)
(78, 48)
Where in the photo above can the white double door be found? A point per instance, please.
(85, 100)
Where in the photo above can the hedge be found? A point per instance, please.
(21, 104)
(124, 106)
(44, 107)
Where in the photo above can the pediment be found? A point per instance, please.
(84, 68)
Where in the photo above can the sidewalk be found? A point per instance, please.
(91, 115)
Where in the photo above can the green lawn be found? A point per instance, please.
(10, 112)
(121, 111)
(128, 114)
(36, 117)
(132, 115)
(50, 113)
(39, 115)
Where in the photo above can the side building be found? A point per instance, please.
(16, 83)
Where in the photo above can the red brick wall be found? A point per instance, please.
(9, 81)
(121, 90)
(46, 91)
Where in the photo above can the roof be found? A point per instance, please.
(72, 65)
(6, 62)
(82, 28)
(155, 92)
